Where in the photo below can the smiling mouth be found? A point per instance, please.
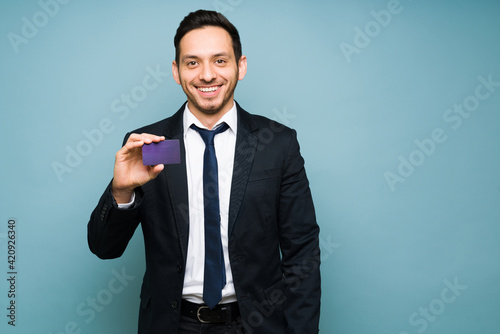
(209, 89)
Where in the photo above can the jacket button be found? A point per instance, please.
(179, 268)
(174, 304)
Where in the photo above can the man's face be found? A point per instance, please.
(208, 71)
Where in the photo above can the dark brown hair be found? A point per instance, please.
(203, 18)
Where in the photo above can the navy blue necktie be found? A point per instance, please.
(215, 273)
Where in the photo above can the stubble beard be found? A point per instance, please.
(212, 110)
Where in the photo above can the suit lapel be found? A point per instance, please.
(176, 181)
(246, 144)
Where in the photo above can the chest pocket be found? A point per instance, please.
(265, 174)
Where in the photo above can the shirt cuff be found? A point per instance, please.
(129, 204)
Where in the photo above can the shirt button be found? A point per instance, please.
(174, 304)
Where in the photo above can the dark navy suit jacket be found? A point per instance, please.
(273, 234)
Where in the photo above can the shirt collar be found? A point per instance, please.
(230, 118)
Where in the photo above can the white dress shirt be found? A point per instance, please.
(225, 143)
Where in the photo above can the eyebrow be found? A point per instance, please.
(220, 54)
(189, 57)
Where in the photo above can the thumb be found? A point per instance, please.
(156, 170)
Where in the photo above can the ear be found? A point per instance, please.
(175, 72)
(242, 67)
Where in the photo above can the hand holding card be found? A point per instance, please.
(165, 152)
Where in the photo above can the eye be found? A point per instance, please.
(220, 61)
(191, 63)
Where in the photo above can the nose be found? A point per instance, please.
(207, 73)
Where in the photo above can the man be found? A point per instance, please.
(230, 233)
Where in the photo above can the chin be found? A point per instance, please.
(210, 111)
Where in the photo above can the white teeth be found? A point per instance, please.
(209, 89)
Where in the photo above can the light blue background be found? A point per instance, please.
(388, 253)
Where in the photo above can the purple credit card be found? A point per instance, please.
(164, 152)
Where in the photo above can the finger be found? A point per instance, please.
(132, 144)
(145, 137)
(136, 141)
(148, 138)
(135, 137)
(156, 170)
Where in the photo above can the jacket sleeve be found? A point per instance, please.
(299, 242)
(110, 228)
